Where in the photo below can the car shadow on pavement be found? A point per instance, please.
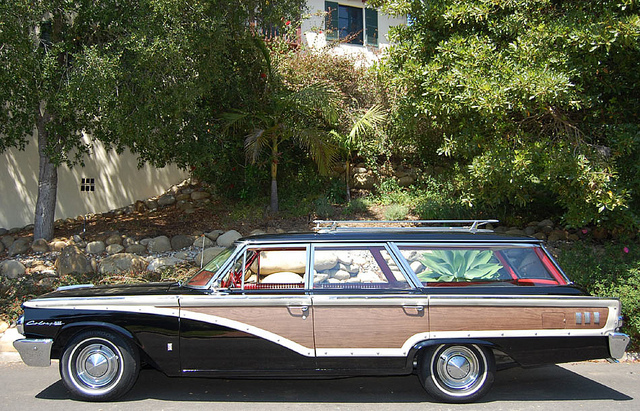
(549, 383)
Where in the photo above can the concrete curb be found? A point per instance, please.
(7, 338)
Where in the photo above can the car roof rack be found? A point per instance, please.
(469, 226)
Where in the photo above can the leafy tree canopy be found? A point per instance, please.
(536, 98)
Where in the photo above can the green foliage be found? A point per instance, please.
(529, 98)
(323, 208)
(357, 206)
(396, 212)
(612, 270)
(459, 265)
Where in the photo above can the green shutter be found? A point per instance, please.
(331, 20)
(371, 23)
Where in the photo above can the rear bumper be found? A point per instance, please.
(36, 353)
(618, 344)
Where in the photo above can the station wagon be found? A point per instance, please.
(452, 304)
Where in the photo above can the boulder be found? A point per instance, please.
(114, 249)
(40, 246)
(228, 238)
(325, 261)
(207, 255)
(136, 249)
(72, 260)
(257, 231)
(113, 239)
(7, 240)
(213, 235)
(166, 200)
(178, 242)
(160, 244)
(159, 264)
(95, 247)
(1, 247)
(12, 269)
(557, 235)
(122, 262)
(58, 245)
(3, 231)
(199, 195)
(151, 204)
(128, 241)
(203, 242)
(364, 181)
(20, 246)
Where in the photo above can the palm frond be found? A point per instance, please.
(369, 121)
(323, 152)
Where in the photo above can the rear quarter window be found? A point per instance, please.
(483, 264)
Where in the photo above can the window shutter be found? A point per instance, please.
(331, 20)
(371, 23)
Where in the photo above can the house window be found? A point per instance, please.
(352, 25)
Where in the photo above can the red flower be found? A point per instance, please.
(263, 75)
(287, 23)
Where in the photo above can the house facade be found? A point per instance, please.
(349, 26)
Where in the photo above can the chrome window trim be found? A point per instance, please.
(385, 245)
(404, 266)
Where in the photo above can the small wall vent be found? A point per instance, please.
(88, 184)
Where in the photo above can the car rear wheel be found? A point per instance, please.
(457, 373)
(99, 365)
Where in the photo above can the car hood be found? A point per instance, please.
(89, 290)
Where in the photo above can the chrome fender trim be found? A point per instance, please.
(35, 353)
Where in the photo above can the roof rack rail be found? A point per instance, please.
(473, 226)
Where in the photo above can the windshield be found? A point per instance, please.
(202, 277)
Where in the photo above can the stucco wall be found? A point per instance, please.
(311, 27)
(118, 182)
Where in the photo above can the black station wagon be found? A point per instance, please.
(450, 304)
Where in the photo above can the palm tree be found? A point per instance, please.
(301, 117)
(364, 122)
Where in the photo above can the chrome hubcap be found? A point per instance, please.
(97, 365)
(459, 369)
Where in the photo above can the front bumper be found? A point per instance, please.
(36, 353)
(618, 344)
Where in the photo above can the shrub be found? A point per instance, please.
(396, 212)
(357, 206)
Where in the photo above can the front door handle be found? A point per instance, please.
(304, 309)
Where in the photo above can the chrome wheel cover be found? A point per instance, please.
(458, 370)
(95, 365)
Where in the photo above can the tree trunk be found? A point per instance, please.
(347, 178)
(274, 175)
(47, 185)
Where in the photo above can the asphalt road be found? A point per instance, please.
(585, 386)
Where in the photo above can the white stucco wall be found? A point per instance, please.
(312, 26)
(118, 182)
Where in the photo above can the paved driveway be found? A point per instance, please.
(585, 386)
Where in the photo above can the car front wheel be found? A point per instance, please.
(457, 373)
(99, 366)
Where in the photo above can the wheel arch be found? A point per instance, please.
(416, 351)
(73, 329)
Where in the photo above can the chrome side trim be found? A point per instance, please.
(73, 287)
(618, 344)
(35, 353)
